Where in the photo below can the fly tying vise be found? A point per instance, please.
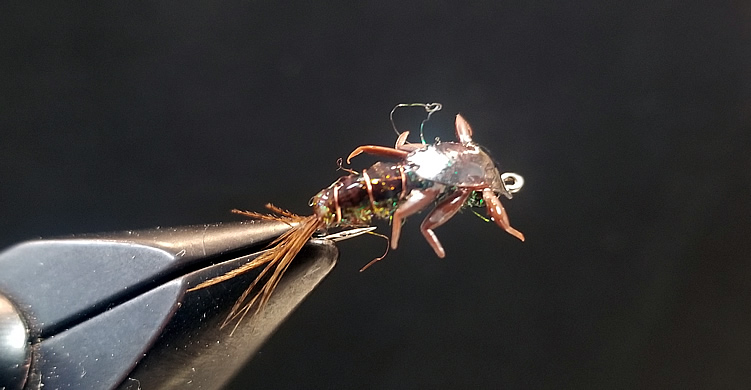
(449, 175)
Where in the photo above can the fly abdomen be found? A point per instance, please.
(357, 198)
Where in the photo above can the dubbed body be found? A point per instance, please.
(355, 199)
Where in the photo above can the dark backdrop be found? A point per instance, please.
(628, 119)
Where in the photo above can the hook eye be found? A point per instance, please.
(512, 181)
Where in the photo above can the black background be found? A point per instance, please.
(628, 119)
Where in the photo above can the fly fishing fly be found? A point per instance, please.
(447, 175)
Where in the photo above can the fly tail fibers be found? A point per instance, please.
(276, 260)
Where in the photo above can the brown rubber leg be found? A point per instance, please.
(401, 140)
(378, 151)
(442, 213)
(498, 213)
(415, 201)
(463, 131)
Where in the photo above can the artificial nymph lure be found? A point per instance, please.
(449, 175)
